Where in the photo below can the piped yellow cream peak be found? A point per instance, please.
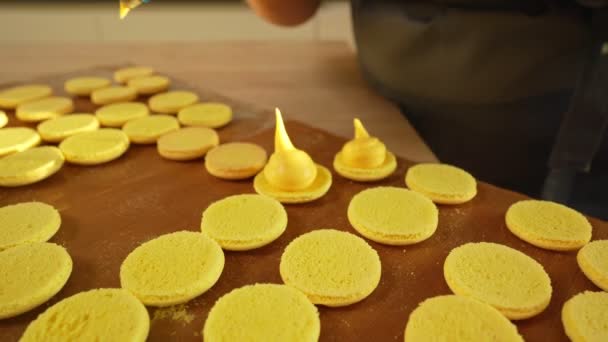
(125, 6)
(288, 168)
(123, 10)
(364, 151)
(281, 138)
(360, 131)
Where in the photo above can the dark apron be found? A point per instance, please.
(485, 83)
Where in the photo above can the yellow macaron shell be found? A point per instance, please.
(244, 222)
(117, 114)
(172, 102)
(209, 114)
(235, 160)
(593, 261)
(147, 85)
(548, 225)
(331, 267)
(123, 75)
(31, 274)
(456, 318)
(26, 223)
(57, 129)
(113, 94)
(263, 312)
(148, 129)
(17, 139)
(84, 86)
(96, 147)
(12, 97)
(43, 109)
(503, 277)
(173, 268)
(3, 119)
(94, 315)
(393, 216)
(442, 183)
(585, 317)
(30, 166)
(187, 143)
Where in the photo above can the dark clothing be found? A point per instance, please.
(485, 84)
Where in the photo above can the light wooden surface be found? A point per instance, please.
(93, 21)
(315, 82)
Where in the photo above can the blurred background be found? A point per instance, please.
(164, 20)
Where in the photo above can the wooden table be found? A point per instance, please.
(317, 82)
(108, 210)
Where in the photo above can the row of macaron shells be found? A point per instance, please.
(77, 130)
(363, 268)
(139, 127)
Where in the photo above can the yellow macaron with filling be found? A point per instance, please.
(26, 223)
(593, 261)
(208, 114)
(501, 276)
(458, 318)
(113, 94)
(94, 315)
(57, 129)
(548, 225)
(117, 114)
(172, 102)
(12, 97)
(364, 158)
(17, 139)
(123, 75)
(263, 312)
(172, 268)
(43, 109)
(236, 160)
(585, 317)
(317, 189)
(147, 85)
(84, 86)
(30, 166)
(32, 273)
(393, 216)
(244, 222)
(187, 143)
(331, 267)
(442, 183)
(148, 129)
(96, 147)
(290, 175)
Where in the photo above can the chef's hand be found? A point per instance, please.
(285, 12)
